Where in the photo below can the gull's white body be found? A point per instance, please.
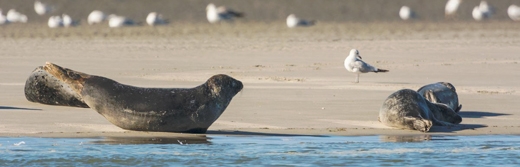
(13, 16)
(96, 17)
(66, 20)
(293, 21)
(513, 12)
(154, 19)
(215, 15)
(405, 13)
(55, 22)
(3, 19)
(451, 7)
(353, 63)
(42, 8)
(115, 21)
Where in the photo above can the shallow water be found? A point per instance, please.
(217, 150)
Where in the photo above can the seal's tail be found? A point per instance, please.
(381, 70)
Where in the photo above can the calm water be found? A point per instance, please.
(218, 150)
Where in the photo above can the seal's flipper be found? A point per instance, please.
(419, 124)
(458, 108)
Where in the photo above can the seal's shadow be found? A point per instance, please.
(16, 108)
(467, 114)
(479, 114)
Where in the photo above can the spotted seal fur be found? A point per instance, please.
(407, 109)
(441, 92)
(190, 110)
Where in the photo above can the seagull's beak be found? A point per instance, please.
(358, 56)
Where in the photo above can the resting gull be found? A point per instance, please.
(353, 63)
(13, 16)
(55, 22)
(67, 20)
(451, 8)
(481, 12)
(42, 8)
(3, 19)
(406, 13)
(96, 17)
(293, 21)
(155, 19)
(115, 21)
(514, 12)
(215, 15)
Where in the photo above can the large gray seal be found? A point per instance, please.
(42, 87)
(407, 109)
(441, 92)
(190, 110)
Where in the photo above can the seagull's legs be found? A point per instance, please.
(357, 78)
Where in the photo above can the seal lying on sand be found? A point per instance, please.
(152, 109)
(407, 109)
(441, 92)
(42, 87)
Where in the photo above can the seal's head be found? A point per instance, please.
(73, 78)
(444, 113)
(224, 86)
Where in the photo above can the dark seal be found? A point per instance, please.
(42, 87)
(441, 92)
(190, 110)
(407, 109)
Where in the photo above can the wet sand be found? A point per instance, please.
(294, 79)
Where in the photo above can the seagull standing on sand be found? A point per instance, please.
(42, 8)
(451, 8)
(55, 22)
(513, 11)
(13, 16)
(481, 12)
(96, 17)
(353, 63)
(115, 21)
(155, 19)
(406, 13)
(3, 19)
(67, 20)
(293, 21)
(214, 14)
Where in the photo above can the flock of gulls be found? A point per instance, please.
(216, 14)
(480, 12)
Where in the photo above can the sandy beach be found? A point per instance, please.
(294, 79)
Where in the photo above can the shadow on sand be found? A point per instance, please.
(479, 114)
(467, 114)
(16, 108)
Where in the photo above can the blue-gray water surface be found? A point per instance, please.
(220, 150)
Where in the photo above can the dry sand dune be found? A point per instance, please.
(294, 79)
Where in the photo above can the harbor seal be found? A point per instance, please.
(42, 87)
(441, 92)
(407, 109)
(190, 110)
